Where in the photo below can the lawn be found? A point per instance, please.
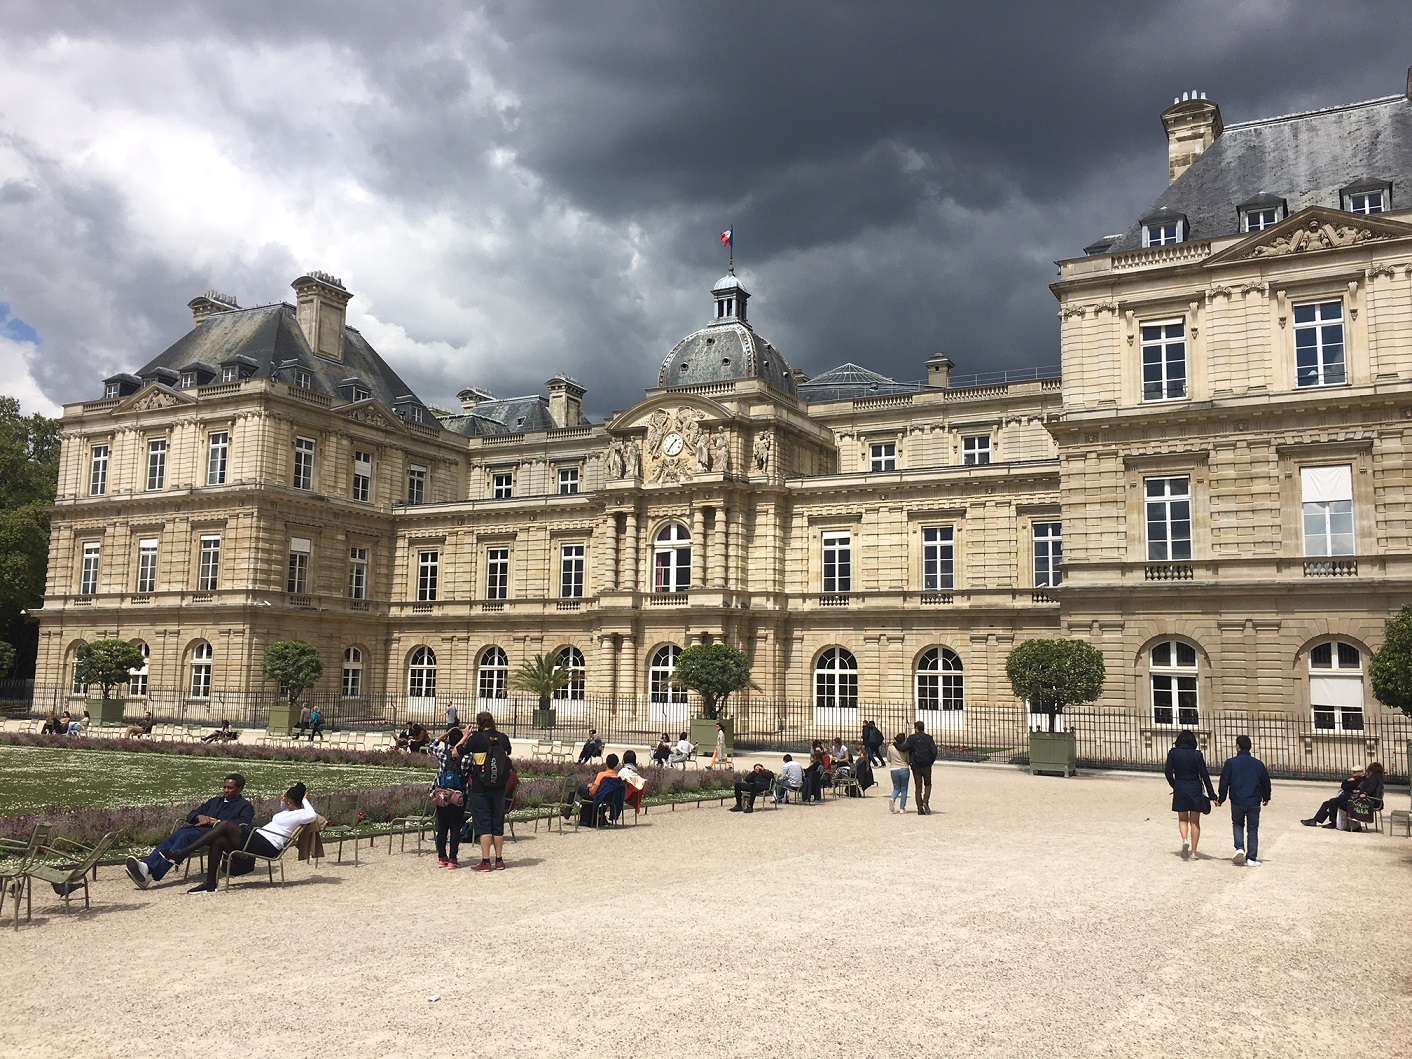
(33, 778)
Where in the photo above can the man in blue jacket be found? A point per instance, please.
(230, 805)
(1247, 781)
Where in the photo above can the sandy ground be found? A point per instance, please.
(1027, 917)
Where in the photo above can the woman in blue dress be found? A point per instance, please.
(1187, 775)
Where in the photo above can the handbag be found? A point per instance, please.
(442, 797)
(1205, 805)
(1360, 808)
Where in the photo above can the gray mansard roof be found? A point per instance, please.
(268, 337)
(509, 415)
(1305, 159)
(724, 351)
(848, 382)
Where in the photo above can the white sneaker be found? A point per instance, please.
(1251, 862)
(1186, 850)
(892, 807)
(138, 872)
(1239, 857)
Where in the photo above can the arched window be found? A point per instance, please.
(940, 685)
(836, 679)
(137, 686)
(571, 658)
(76, 686)
(1173, 674)
(421, 674)
(201, 660)
(671, 559)
(492, 674)
(659, 675)
(1336, 686)
(352, 672)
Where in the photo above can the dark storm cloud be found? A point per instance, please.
(900, 176)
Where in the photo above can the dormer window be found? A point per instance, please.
(303, 378)
(1263, 211)
(1367, 197)
(186, 380)
(1259, 220)
(111, 390)
(360, 394)
(230, 373)
(1162, 233)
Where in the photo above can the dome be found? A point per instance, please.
(723, 352)
(727, 282)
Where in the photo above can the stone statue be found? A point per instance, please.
(632, 459)
(763, 444)
(703, 452)
(722, 444)
(657, 428)
(615, 459)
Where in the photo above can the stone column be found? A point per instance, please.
(715, 561)
(628, 691)
(607, 680)
(610, 563)
(630, 573)
(698, 548)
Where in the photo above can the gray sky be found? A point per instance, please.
(516, 189)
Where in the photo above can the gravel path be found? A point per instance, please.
(1027, 917)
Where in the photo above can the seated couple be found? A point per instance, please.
(221, 826)
(609, 790)
(1364, 787)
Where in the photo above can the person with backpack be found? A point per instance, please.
(316, 724)
(920, 749)
(448, 796)
(489, 754)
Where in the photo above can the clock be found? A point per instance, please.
(672, 444)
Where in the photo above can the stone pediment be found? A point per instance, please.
(373, 414)
(154, 397)
(1317, 228)
(669, 439)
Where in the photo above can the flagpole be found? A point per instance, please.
(731, 269)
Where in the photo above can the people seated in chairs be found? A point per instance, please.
(840, 753)
(55, 725)
(228, 806)
(224, 734)
(814, 776)
(791, 779)
(592, 747)
(634, 783)
(862, 772)
(1367, 781)
(757, 781)
(143, 727)
(77, 726)
(663, 750)
(414, 738)
(587, 791)
(683, 750)
(228, 837)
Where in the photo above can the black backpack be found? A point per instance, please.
(495, 772)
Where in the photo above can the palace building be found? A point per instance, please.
(1215, 494)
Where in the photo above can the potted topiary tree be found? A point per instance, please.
(297, 666)
(1390, 667)
(715, 671)
(107, 663)
(541, 675)
(1051, 675)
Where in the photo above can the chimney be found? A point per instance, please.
(1193, 123)
(800, 376)
(565, 401)
(939, 370)
(323, 312)
(470, 397)
(208, 305)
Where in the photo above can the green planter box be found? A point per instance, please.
(106, 711)
(282, 718)
(1053, 752)
(702, 733)
(544, 718)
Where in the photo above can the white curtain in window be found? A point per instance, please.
(1326, 483)
(1336, 691)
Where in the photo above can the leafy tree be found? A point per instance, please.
(295, 664)
(541, 675)
(7, 658)
(1391, 665)
(715, 671)
(107, 663)
(29, 472)
(1054, 674)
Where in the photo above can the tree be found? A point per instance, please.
(29, 472)
(715, 671)
(1391, 665)
(295, 664)
(1053, 674)
(541, 675)
(7, 658)
(107, 663)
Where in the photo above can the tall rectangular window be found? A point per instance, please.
(98, 471)
(428, 562)
(416, 484)
(1048, 554)
(362, 476)
(502, 486)
(568, 481)
(1318, 344)
(147, 566)
(303, 463)
(838, 562)
(298, 581)
(156, 463)
(975, 450)
(217, 454)
(882, 456)
(571, 571)
(357, 573)
(497, 573)
(1327, 502)
(1164, 361)
(1168, 519)
(88, 572)
(938, 558)
(208, 567)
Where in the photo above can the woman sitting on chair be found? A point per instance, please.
(267, 841)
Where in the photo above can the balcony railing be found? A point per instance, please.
(1331, 568)
(1167, 572)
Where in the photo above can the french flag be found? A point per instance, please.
(728, 237)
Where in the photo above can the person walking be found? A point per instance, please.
(873, 741)
(1186, 773)
(901, 772)
(1247, 781)
(921, 755)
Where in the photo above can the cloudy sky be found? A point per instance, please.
(517, 189)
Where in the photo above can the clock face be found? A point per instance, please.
(672, 444)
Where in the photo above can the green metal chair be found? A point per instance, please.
(270, 862)
(63, 864)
